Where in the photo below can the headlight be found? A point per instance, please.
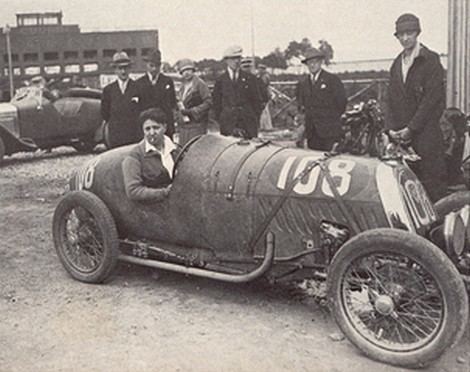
(454, 234)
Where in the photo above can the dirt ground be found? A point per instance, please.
(148, 320)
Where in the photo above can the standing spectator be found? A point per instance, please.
(157, 90)
(416, 102)
(237, 102)
(194, 101)
(265, 80)
(321, 97)
(120, 105)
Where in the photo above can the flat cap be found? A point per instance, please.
(185, 64)
(407, 22)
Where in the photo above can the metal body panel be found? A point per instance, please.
(201, 212)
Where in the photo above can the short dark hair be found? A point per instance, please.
(155, 114)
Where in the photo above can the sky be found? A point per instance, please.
(197, 29)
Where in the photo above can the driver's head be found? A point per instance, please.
(154, 123)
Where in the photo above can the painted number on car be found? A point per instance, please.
(86, 175)
(340, 171)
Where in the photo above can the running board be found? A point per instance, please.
(233, 278)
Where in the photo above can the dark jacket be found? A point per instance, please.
(161, 95)
(121, 111)
(323, 103)
(418, 104)
(237, 104)
(197, 100)
(145, 177)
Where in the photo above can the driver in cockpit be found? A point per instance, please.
(148, 168)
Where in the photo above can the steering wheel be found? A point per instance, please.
(182, 152)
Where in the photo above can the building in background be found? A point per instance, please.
(42, 45)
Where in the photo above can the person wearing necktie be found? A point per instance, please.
(120, 105)
(236, 98)
(322, 98)
(157, 90)
(416, 101)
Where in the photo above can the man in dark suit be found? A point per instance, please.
(157, 90)
(416, 101)
(321, 97)
(120, 105)
(236, 98)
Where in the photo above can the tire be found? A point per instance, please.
(84, 230)
(451, 203)
(411, 287)
(2, 149)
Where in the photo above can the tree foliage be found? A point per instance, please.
(275, 59)
(296, 49)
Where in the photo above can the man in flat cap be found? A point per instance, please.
(158, 90)
(321, 97)
(236, 98)
(120, 105)
(416, 101)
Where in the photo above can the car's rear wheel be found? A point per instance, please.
(85, 237)
(397, 297)
(2, 149)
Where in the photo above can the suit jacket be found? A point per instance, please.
(237, 104)
(323, 102)
(197, 100)
(161, 95)
(121, 112)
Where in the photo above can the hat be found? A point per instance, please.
(312, 53)
(185, 64)
(262, 66)
(121, 59)
(154, 56)
(246, 62)
(407, 22)
(234, 51)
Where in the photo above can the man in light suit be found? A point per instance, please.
(120, 105)
(236, 98)
(321, 97)
(157, 90)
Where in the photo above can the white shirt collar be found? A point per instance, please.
(152, 79)
(166, 157)
(316, 76)
(123, 84)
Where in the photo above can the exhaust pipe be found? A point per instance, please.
(233, 278)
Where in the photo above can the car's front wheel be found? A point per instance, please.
(85, 236)
(397, 297)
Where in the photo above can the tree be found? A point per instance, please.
(326, 48)
(296, 49)
(275, 59)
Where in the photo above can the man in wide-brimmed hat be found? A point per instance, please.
(157, 89)
(237, 102)
(416, 102)
(321, 97)
(120, 105)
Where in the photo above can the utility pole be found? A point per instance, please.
(6, 31)
(252, 34)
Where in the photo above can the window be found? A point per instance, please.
(14, 57)
(90, 54)
(72, 69)
(145, 51)
(51, 56)
(90, 67)
(131, 52)
(52, 70)
(16, 71)
(70, 54)
(32, 70)
(109, 53)
(30, 57)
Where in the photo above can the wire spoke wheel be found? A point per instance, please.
(397, 297)
(85, 236)
(392, 301)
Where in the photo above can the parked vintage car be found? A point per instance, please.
(239, 210)
(36, 119)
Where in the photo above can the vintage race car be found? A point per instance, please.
(36, 119)
(239, 210)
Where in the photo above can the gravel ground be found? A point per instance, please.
(147, 320)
